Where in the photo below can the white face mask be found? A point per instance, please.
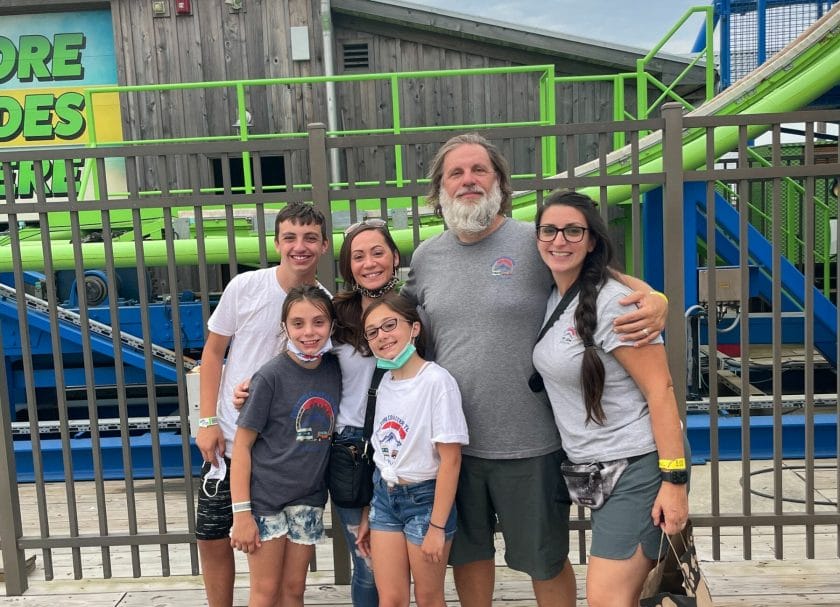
(291, 346)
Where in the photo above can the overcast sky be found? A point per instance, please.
(639, 23)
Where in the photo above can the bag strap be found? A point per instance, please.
(370, 410)
(558, 311)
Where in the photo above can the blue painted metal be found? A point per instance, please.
(111, 456)
(760, 253)
(730, 430)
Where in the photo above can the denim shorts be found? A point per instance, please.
(405, 509)
(301, 524)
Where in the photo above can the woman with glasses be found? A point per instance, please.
(368, 263)
(614, 406)
(418, 430)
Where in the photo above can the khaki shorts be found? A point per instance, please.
(530, 501)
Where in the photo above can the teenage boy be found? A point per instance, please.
(247, 320)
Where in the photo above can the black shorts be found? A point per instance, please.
(213, 516)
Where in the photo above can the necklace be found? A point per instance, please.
(377, 293)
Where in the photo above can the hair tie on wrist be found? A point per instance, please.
(431, 524)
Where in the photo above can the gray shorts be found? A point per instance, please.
(624, 522)
(530, 500)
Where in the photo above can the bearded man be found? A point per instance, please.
(482, 288)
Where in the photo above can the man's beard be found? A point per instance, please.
(471, 217)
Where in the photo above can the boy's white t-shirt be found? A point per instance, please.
(250, 312)
(411, 416)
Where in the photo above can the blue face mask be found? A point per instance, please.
(398, 362)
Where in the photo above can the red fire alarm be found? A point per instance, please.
(183, 7)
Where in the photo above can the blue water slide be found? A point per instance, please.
(760, 256)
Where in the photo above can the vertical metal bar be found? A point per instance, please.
(395, 109)
(673, 252)
(227, 193)
(808, 238)
(637, 265)
(26, 356)
(260, 210)
(90, 381)
(178, 347)
(11, 527)
(711, 278)
(200, 245)
(744, 302)
(122, 404)
(321, 196)
(151, 388)
(776, 306)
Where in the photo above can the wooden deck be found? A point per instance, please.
(763, 581)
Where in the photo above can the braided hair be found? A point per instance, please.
(593, 275)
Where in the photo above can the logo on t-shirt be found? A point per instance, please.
(569, 335)
(503, 267)
(391, 434)
(315, 420)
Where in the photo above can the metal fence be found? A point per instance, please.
(98, 392)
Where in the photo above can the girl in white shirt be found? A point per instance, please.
(418, 431)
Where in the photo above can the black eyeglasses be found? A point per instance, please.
(374, 223)
(548, 232)
(388, 325)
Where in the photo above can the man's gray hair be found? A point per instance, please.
(500, 165)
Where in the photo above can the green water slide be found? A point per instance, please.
(797, 75)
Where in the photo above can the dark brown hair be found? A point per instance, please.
(401, 307)
(593, 274)
(348, 303)
(300, 213)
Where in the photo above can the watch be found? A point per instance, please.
(206, 422)
(678, 477)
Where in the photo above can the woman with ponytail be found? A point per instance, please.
(614, 406)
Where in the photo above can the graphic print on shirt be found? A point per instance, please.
(570, 335)
(391, 433)
(314, 419)
(503, 267)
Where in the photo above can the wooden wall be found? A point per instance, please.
(217, 43)
(468, 100)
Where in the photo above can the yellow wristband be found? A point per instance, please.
(661, 294)
(672, 464)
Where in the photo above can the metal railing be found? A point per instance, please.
(657, 245)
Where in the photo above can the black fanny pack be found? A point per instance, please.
(591, 484)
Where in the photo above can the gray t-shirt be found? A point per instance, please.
(484, 303)
(627, 430)
(293, 409)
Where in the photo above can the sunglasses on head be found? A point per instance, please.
(375, 222)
